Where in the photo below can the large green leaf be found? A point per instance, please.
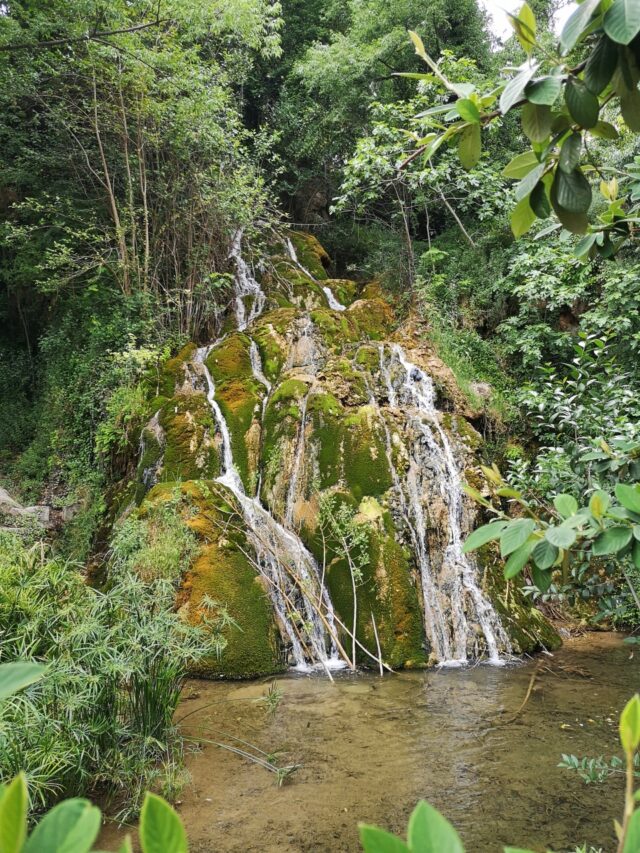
(630, 725)
(599, 503)
(562, 536)
(542, 579)
(629, 496)
(467, 110)
(582, 104)
(522, 218)
(611, 540)
(16, 676)
(570, 152)
(566, 505)
(545, 554)
(604, 130)
(601, 65)
(13, 815)
(632, 839)
(524, 23)
(161, 830)
(622, 21)
(573, 191)
(529, 181)
(484, 534)
(545, 90)
(519, 559)
(70, 827)
(514, 90)
(630, 109)
(536, 122)
(431, 832)
(539, 200)
(520, 166)
(576, 23)
(515, 534)
(375, 840)
(470, 146)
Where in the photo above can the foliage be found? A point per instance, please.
(429, 832)
(595, 70)
(102, 716)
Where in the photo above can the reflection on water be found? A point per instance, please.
(371, 747)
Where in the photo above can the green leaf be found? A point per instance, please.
(519, 559)
(599, 503)
(622, 21)
(486, 533)
(566, 505)
(576, 23)
(630, 725)
(515, 534)
(514, 90)
(630, 109)
(545, 90)
(584, 245)
(635, 553)
(468, 110)
(611, 540)
(601, 65)
(541, 578)
(470, 146)
(161, 830)
(604, 130)
(376, 840)
(529, 181)
(632, 838)
(562, 536)
(573, 191)
(629, 496)
(70, 827)
(17, 676)
(522, 218)
(570, 153)
(536, 122)
(431, 832)
(582, 104)
(13, 815)
(524, 23)
(539, 201)
(520, 166)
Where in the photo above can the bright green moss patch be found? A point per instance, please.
(366, 469)
(326, 414)
(310, 254)
(172, 372)
(374, 318)
(189, 448)
(335, 327)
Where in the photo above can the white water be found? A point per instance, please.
(280, 553)
(333, 303)
(409, 388)
(246, 287)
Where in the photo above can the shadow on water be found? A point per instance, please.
(371, 747)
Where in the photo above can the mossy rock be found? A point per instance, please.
(336, 328)
(387, 588)
(327, 415)
(222, 572)
(172, 373)
(280, 427)
(189, 450)
(373, 317)
(294, 287)
(311, 255)
(239, 396)
(528, 629)
(365, 465)
(344, 289)
(269, 333)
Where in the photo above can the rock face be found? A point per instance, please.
(321, 452)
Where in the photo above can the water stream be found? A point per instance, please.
(371, 747)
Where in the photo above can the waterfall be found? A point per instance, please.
(333, 303)
(245, 286)
(407, 387)
(280, 554)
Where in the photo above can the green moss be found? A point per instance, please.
(238, 395)
(366, 469)
(280, 424)
(326, 414)
(269, 335)
(374, 318)
(368, 357)
(310, 254)
(335, 327)
(221, 572)
(189, 450)
(171, 373)
(343, 289)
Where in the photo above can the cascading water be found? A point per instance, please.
(281, 557)
(448, 629)
(245, 287)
